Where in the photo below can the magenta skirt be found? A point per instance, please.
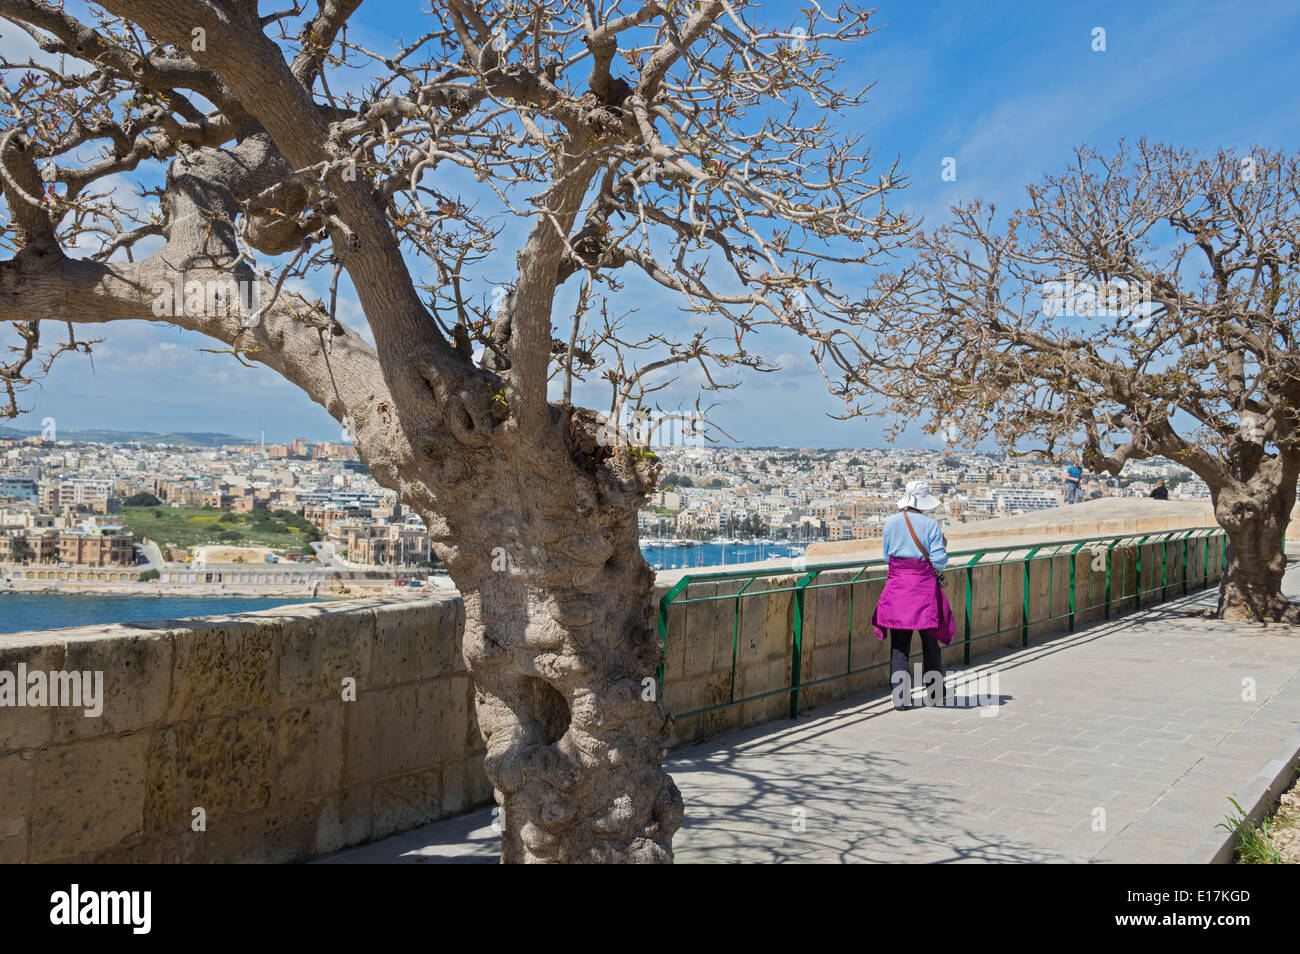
(913, 599)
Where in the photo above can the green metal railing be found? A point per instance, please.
(1027, 556)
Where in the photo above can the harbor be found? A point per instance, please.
(675, 554)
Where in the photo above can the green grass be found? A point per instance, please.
(1252, 844)
(192, 527)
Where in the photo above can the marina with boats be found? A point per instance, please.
(671, 553)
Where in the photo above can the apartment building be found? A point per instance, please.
(29, 545)
(385, 544)
(24, 516)
(93, 494)
(185, 493)
(44, 538)
(862, 509)
(1019, 500)
(336, 452)
(14, 487)
(106, 547)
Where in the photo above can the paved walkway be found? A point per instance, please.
(1121, 742)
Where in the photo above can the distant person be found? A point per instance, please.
(1161, 492)
(913, 598)
(1074, 482)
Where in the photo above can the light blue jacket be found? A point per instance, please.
(898, 542)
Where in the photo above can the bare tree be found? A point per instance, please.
(1139, 305)
(669, 140)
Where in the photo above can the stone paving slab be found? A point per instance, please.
(1119, 743)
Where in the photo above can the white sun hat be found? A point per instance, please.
(917, 494)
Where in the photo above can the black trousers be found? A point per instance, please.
(900, 648)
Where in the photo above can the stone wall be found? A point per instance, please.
(283, 574)
(245, 717)
(65, 574)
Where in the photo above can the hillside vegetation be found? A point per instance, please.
(189, 527)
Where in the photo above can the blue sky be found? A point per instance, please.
(1006, 89)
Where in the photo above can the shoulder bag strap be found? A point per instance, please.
(921, 546)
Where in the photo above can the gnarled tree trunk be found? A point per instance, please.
(1255, 519)
(560, 643)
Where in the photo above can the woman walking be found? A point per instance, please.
(913, 598)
